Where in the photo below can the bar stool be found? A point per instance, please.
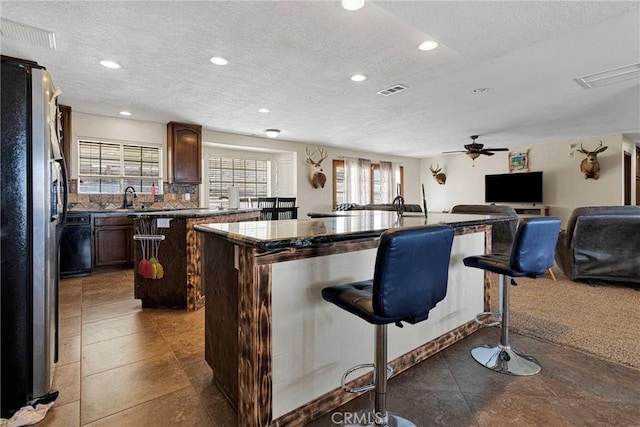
(410, 278)
(532, 253)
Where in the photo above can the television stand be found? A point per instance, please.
(531, 210)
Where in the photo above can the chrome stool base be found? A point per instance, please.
(505, 360)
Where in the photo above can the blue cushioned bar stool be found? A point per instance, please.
(409, 279)
(532, 253)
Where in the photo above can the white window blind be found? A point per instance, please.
(250, 176)
(110, 167)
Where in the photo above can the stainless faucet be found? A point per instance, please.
(125, 203)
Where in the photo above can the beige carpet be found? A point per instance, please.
(599, 319)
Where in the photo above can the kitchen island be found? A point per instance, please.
(277, 350)
(179, 254)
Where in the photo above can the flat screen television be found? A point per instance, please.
(523, 187)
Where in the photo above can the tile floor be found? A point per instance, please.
(121, 365)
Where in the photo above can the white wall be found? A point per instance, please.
(318, 199)
(564, 188)
(309, 198)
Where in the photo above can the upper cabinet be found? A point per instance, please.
(184, 146)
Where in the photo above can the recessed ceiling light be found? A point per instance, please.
(358, 78)
(480, 90)
(109, 64)
(272, 133)
(218, 60)
(125, 113)
(428, 45)
(352, 4)
(263, 110)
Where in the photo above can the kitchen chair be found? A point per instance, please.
(286, 207)
(267, 206)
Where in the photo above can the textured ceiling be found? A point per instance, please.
(295, 58)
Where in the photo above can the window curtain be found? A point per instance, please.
(397, 179)
(387, 182)
(357, 177)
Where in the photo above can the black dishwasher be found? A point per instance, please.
(75, 245)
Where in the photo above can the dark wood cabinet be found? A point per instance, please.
(184, 146)
(113, 242)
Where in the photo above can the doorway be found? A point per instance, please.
(637, 175)
(627, 178)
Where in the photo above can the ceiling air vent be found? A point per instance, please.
(391, 90)
(25, 33)
(615, 75)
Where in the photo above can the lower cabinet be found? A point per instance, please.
(113, 242)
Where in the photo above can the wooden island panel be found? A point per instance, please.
(180, 256)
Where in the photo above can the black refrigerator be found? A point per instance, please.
(34, 199)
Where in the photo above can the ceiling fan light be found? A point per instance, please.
(473, 155)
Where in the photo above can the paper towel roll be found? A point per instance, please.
(234, 198)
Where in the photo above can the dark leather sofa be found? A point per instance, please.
(502, 234)
(601, 243)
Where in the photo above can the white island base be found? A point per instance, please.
(315, 342)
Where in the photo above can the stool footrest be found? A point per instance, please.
(486, 323)
(366, 387)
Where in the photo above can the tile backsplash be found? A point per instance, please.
(171, 198)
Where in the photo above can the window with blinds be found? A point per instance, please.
(250, 176)
(110, 167)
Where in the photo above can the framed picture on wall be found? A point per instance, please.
(519, 161)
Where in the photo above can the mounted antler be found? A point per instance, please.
(440, 177)
(590, 166)
(316, 176)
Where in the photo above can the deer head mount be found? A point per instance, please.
(590, 166)
(440, 177)
(316, 176)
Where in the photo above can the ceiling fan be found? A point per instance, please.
(475, 149)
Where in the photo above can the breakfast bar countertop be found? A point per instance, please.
(270, 235)
(189, 213)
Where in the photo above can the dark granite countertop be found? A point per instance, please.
(269, 235)
(189, 213)
(165, 212)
